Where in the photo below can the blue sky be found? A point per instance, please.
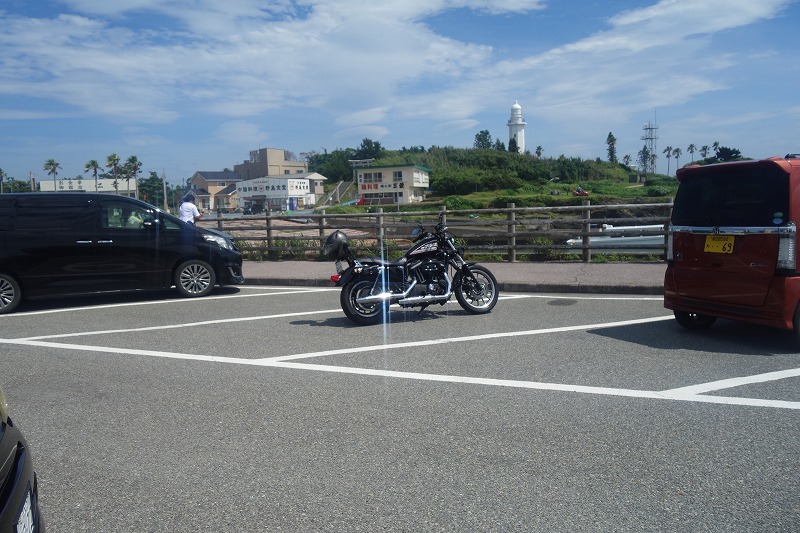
(189, 85)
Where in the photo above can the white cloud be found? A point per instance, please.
(362, 65)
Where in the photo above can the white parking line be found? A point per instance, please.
(687, 394)
(470, 338)
(160, 302)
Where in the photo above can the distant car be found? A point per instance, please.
(19, 489)
(253, 210)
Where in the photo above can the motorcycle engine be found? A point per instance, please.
(431, 277)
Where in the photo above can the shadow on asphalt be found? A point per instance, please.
(725, 336)
(395, 317)
(69, 301)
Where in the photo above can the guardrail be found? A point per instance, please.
(514, 233)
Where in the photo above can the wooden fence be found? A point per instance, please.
(512, 233)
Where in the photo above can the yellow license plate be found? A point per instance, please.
(717, 244)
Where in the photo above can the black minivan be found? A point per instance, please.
(62, 243)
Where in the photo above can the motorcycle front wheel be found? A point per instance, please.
(477, 294)
(362, 314)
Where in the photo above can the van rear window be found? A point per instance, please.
(736, 195)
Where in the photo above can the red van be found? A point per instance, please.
(732, 250)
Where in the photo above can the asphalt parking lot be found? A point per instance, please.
(265, 409)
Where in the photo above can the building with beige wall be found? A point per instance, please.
(400, 184)
(214, 189)
(269, 162)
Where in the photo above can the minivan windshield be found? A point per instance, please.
(739, 195)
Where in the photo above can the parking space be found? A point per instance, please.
(585, 349)
(264, 408)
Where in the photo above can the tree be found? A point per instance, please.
(152, 188)
(715, 146)
(704, 151)
(611, 141)
(728, 154)
(369, 149)
(335, 166)
(499, 145)
(3, 176)
(668, 153)
(94, 167)
(643, 158)
(52, 167)
(677, 153)
(626, 160)
(513, 147)
(130, 170)
(483, 139)
(692, 149)
(539, 151)
(112, 162)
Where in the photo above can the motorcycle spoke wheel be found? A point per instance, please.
(363, 314)
(478, 293)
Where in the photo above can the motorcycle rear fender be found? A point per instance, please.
(368, 272)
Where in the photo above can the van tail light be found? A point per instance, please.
(670, 255)
(787, 248)
(669, 243)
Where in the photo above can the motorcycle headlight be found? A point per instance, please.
(222, 242)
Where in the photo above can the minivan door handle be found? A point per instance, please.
(105, 242)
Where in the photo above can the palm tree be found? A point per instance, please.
(539, 151)
(677, 153)
(668, 153)
(52, 167)
(112, 162)
(704, 151)
(692, 149)
(715, 146)
(132, 168)
(94, 167)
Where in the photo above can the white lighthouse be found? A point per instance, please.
(516, 127)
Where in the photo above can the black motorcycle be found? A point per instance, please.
(430, 272)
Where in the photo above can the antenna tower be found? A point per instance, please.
(650, 137)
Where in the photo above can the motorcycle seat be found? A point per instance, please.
(383, 262)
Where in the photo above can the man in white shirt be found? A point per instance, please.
(188, 211)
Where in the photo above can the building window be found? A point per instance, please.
(397, 175)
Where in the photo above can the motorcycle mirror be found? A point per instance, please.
(416, 231)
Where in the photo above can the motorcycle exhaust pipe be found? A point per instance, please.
(429, 299)
(386, 296)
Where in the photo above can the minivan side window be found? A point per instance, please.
(124, 216)
(752, 196)
(33, 217)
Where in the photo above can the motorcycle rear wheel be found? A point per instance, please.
(362, 314)
(480, 295)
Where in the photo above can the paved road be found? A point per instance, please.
(525, 276)
(263, 409)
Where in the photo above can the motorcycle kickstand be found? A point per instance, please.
(421, 309)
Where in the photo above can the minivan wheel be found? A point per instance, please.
(694, 320)
(195, 278)
(10, 294)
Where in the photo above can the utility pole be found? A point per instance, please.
(164, 184)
